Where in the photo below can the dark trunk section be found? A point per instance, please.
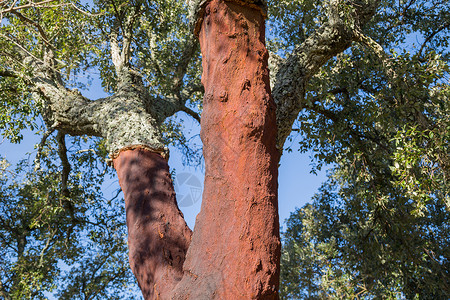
(235, 249)
(158, 236)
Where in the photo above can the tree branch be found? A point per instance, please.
(192, 113)
(444, 26)
(127, 32)
(29, 5)
(293, 74)
(190, 47)
(373, 46)
(38, 27)
(62, 152)
(37, 160)
(47, 246)
(115, 49)
(190, 89)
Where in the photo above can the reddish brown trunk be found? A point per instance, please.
(158, 236)
(235, 247)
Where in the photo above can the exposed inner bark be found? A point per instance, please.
(158, 236)
(235, 247)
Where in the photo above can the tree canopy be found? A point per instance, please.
(364, 84)
(378, 113)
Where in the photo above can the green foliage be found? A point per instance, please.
(71, 244)
(78, 34)
(379, 228)
(17, 113)
(347, 246)
(291, 22)
(159, 28)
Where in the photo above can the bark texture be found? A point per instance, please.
(235, 248)
(158, 236)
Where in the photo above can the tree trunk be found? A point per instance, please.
(235, 248)
(158, 236)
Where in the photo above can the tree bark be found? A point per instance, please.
(235, 249)
(158, 236)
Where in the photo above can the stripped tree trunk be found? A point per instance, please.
(235, 249)
(158, 236)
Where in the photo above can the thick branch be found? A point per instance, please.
(190, 47)
(294, 73)
(127, 32)
(122, 119)
(115, 49)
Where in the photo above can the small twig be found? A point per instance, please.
(116, 196)
(46, 247)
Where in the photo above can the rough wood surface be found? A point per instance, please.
(235, 248)
(158, 237)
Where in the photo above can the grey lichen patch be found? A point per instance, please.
(132, 128)
(122, 120)
(125, 122)
(126, 119)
